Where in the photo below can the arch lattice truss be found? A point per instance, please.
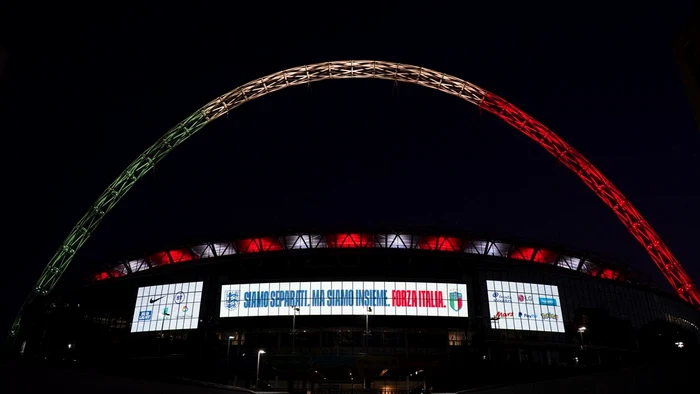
(594, 179)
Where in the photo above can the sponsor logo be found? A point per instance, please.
(524, 298)
(184, 309)
(549, 316)
(145, 315)
(152, 300)
(179, 297)
(498, 297)
(166, 312)
(500, 314)
(548, 301)
(232, 299)
(527, 316)
(456, 301)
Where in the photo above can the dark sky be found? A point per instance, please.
(84, 91)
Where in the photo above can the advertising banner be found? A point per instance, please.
(524, 306)
(172, 306)
(335, 298)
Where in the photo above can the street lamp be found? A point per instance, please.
(369, 310)
(257, 374)
(581, 330)
(425, 389)
(294, 325)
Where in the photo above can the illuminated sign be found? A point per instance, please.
(500, 297)
(145, 315)
(525, 298)
(524, 306)
(172, 306)
(344, 298)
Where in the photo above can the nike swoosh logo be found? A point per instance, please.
(156, 299)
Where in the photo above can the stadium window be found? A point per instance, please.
(392, 338)
(456, 338)
(118, 323)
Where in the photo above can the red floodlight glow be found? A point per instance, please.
(181, 255)
(522, 253)
(160, 258)
(257, 245)
(102, 276)
(270, 244)
(544, 256)
(527, 253)
(350, 240)
(607, 273)
(444, 244)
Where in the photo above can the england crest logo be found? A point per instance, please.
(232, 299)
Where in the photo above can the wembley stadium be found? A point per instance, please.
(392, 311)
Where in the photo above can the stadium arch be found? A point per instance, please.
(367, 69)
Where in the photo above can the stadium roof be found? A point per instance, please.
(525, 253)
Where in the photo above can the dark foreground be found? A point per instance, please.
(658, 378)
(15, 378)
(663, 377)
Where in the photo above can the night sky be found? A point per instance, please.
(84, 91)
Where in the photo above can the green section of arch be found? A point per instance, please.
(214, 109)
(82, 231)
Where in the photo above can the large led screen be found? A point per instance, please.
(173, 306)
(524, 306)
(344, 298)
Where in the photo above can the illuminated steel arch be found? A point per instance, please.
(366, 69)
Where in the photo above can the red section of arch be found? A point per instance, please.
(603, 188)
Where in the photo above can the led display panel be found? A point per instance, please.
(344, 298)
(173, 306)
(524, 306)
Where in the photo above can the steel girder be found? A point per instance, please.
(499, 248)
(366, 69)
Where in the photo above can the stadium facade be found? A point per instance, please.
(395, 312)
